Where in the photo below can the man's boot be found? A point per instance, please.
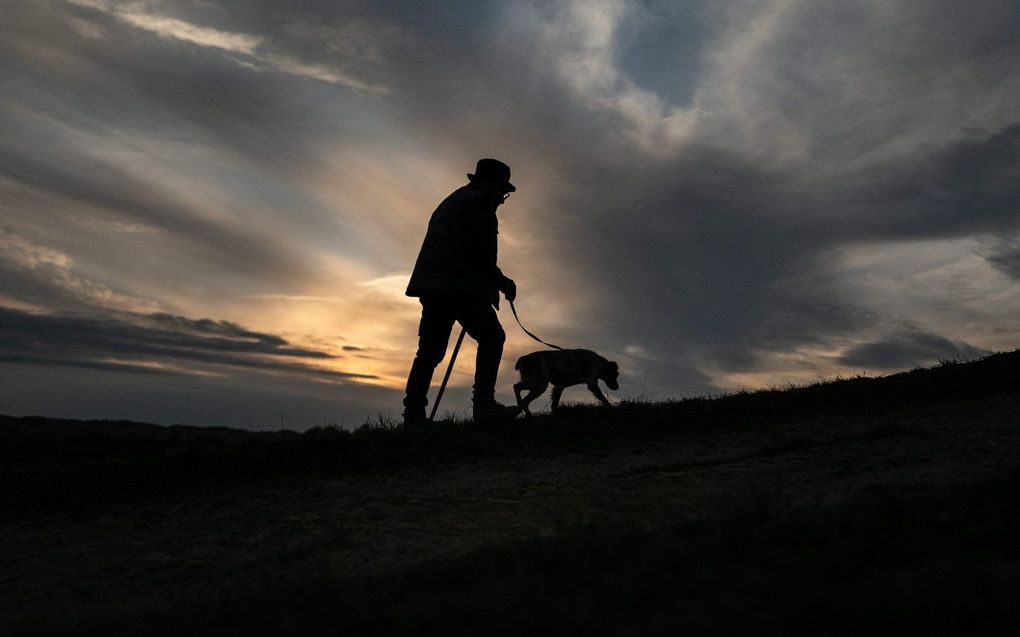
(414, 418)
(491, 413)
(414, 413)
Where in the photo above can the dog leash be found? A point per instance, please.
(514, 310)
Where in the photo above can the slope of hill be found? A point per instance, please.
(840, 507)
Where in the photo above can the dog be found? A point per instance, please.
(561, 369)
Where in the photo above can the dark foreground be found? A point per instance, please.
(860, 505)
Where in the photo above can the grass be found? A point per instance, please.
(124, 461)
(904, 517)
(877, 563)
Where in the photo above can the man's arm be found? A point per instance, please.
(481, 249)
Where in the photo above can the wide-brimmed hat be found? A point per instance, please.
(493, 171)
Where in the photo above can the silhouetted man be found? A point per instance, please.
(456, 279)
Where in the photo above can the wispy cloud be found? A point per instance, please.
(321, 72)
(179, 30)
(295, 297)
(51, 268)
(156, 343)
(255, 51)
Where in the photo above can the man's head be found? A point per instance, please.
(493, 175)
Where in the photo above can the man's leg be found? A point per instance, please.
(480, 321)
(433, 337)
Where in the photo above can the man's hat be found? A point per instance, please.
(494, 171)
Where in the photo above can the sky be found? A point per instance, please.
(209, 209)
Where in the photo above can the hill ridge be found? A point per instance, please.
(995, 374)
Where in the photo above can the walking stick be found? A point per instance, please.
(442, 388)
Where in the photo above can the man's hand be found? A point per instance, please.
(510, 290)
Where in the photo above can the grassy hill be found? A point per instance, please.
(859, 504)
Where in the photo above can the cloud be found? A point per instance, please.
(251, 48)
(146, 367)
(1004, 255)
(65, 93)
(908, 348)
(128, 341)
(180, 30)
(82, 182)
(585, 43)
(39, 274)
(964, 187)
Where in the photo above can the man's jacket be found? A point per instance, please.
(458, 255)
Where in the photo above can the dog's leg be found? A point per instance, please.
(533, 393)
(517, 392)
(594, 388)
(556, 393)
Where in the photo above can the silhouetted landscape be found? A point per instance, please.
(271, 243)
(858, 504)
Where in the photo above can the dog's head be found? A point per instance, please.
(610, 374)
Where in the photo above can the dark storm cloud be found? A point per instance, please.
(689, 260)
(965, 188)
(908, 348)
(725, 261)
(133, 339)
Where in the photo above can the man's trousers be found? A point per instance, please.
(438, 314)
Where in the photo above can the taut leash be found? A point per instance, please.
(514, 310)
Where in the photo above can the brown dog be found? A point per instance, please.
(561, 369)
